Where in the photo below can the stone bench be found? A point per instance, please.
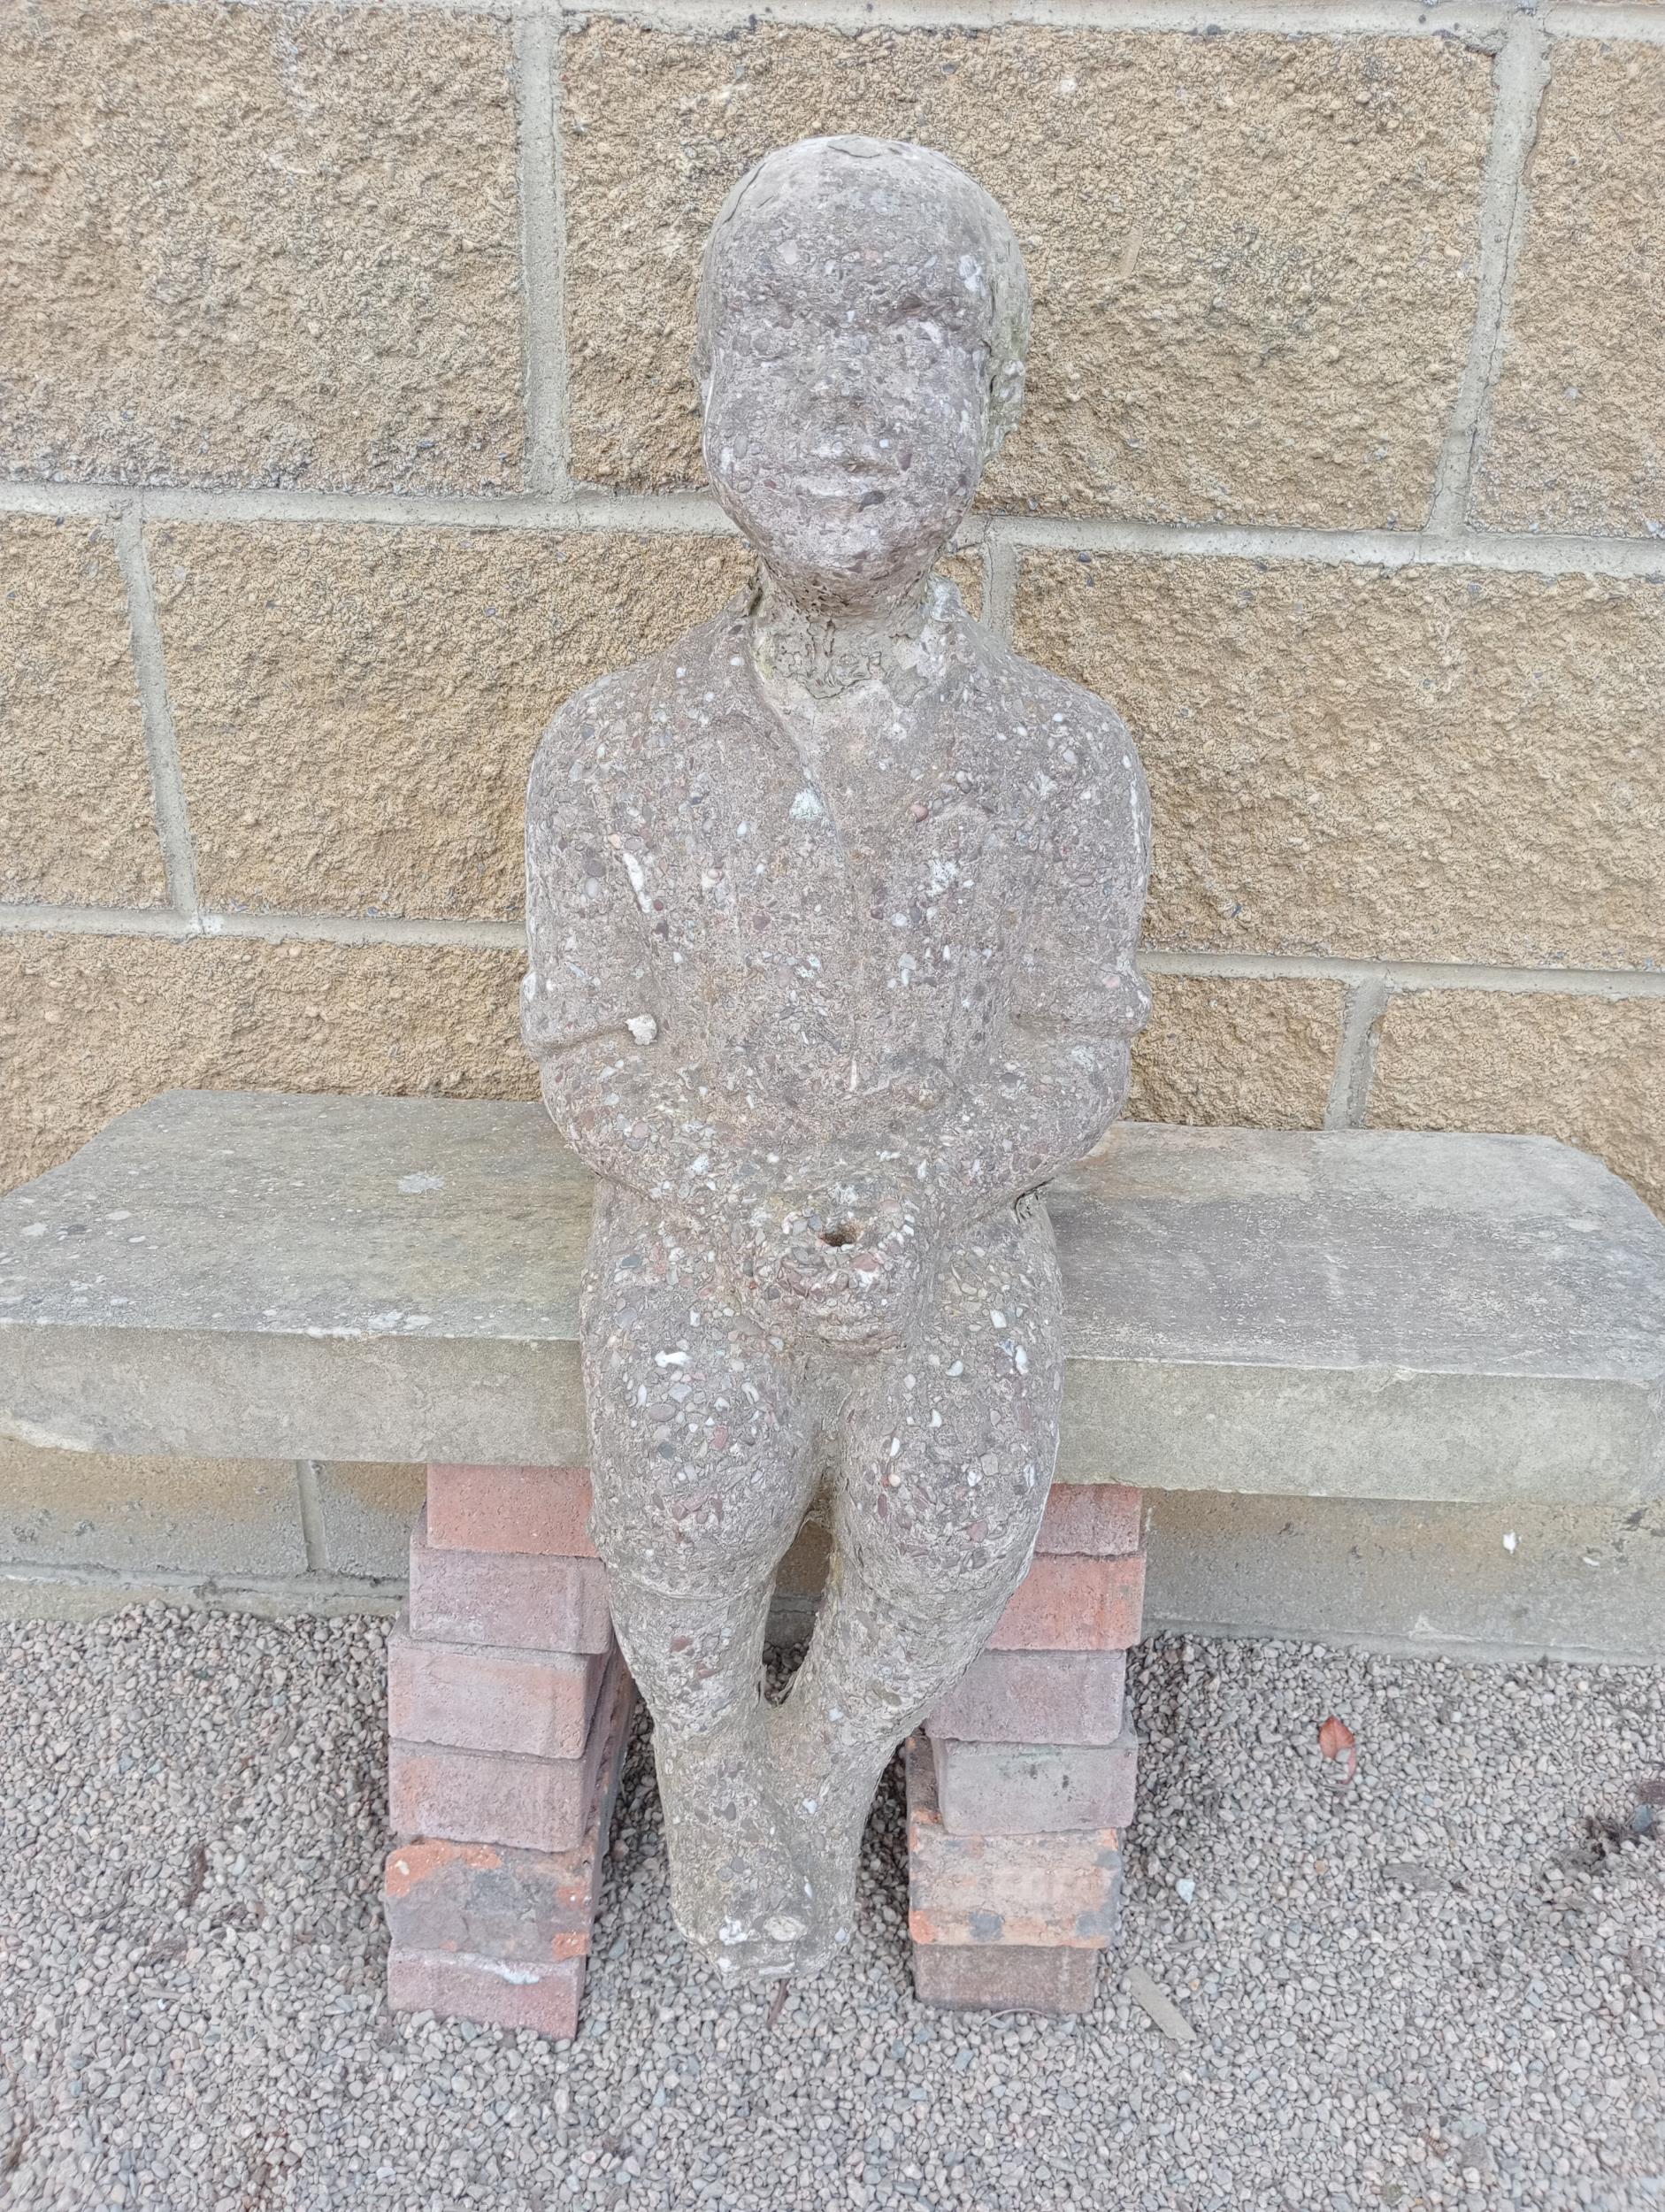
(1352, 1315)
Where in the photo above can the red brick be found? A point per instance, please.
(1100, 1520)
(1051, 1889)
(470, 1697)
(999, 1789)
(1064, 1697)
(1005, 1976)
(487, 1901)
(513, 1508)
(502, 1994)
(1067, 1604)
(518, 1600)
(492, 1797)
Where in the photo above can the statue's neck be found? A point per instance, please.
(829, 653)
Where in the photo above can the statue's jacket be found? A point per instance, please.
(740, 952)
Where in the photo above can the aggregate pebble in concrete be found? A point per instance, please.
(1442, 1985)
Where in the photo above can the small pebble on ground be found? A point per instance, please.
(1439, 1983)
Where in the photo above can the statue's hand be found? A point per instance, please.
(850, 1258)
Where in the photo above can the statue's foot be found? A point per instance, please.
(737, 1889)
(825, 1815)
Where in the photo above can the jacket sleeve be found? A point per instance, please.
(615, 1074)
(1077, 1001)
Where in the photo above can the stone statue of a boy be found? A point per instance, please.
(833, 911)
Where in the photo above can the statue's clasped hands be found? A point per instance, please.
(844, 1245)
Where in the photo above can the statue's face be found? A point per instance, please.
(850, 323)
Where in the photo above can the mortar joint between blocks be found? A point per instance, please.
(161, 743)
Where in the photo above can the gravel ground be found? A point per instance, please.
(1442, 1982)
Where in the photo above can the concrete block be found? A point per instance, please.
(468, 1697)
(80, 821)
(1218, 1050)
(485, 1900)
(376, 778)
(1575, 435)
(343, 194)
(521, 1601)
(1048, 1890)
(494, 1797)
(510, 1509)
(1096, 1520)
(234, 1518)
(1481, 844)
(1069, 1604)
(152, 1013)
(1591, 1070)
(1005, 1976)
(1034, 1789)
(1477, 1582)
(367, 1512)
(499, 1993)
(1027, 1697)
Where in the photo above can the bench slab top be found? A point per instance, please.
(1352, 1312)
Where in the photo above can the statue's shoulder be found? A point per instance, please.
(1059, 722)
(616, 719)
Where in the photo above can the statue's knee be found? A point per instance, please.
(688, 1544)
(936, 1540)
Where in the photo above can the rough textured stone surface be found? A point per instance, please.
(1065, 1604)
(1575, 439)
(234, 1517)
(1024, 1697)
(76, 820)
(1032, 1789)
(91, 1025)
(259, 245)
(1474, 1582)
(831, 912)
(1238, 1050)
(1349, 1313)
(1369, 762)
(357, 707)
(510, 1509)
(532, 1804)
(538, 1704)
(524, 1601)
(367, 1512)
(1005, 1978)
(1590, 1071)
(1005, 1889)
(1254, 256)
(504, 1993)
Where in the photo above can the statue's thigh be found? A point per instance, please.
(700, 1450)
(950, 1445)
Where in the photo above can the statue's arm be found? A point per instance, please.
(616, 1075)
(1077, 1003)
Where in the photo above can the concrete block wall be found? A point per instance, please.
(345, 426)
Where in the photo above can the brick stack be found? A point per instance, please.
(1022, 1780)
(509, 1709)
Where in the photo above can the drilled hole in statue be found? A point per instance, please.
(832, 907)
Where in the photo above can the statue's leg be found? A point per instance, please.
(701, 1468)
(948, 1455)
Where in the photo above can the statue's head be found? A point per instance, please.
(864, 317)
